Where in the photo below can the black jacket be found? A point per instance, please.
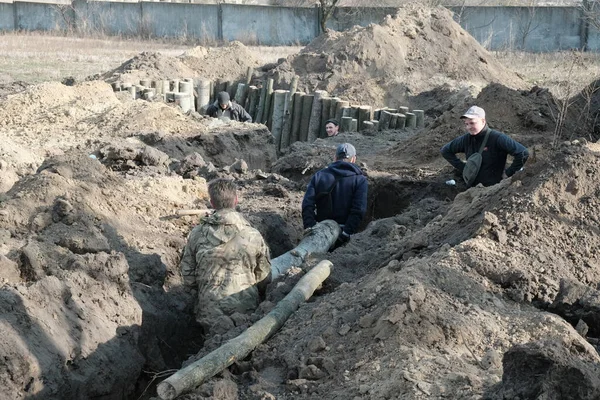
(234, 111)
(494, 154)
(348, 197)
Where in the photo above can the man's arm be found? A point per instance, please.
(244, 116)
(450, 150)
(211, 111)
(359, 206)
(309, 218)
(515, 149)
(188, 264)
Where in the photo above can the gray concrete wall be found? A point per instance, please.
(182, 20)
(7, 17)
(38, 17)
(344, 18)
(537, 29)
(268, 25)
(110, 18)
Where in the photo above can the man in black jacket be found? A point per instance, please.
(498, 146)
(338, 192)
(224, 108)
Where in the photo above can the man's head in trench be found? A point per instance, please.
(222, 193)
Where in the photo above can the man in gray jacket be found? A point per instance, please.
(224, 108)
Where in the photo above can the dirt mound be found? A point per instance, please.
(226, 63)
(389, 64)
(229, 62)
(148, 65)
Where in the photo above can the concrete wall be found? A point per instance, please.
(38, 17)
(537, 29)
(269, 26)
(110, 18)
(344, 18)
(7, 17)
(182, 20)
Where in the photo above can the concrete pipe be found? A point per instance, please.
(185, 101)
(420, 115)
(411, 120)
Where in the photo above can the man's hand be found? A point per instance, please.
(342, 239)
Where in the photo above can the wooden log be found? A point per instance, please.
(314, 124)
(202, 211)
(307, 102)
(346, 124)
(319, 239)
(286, 132)
(420, 115)
(261, 103)
(403, 110)
(239, 94)
(249, 73)
(231, 89)
(333, 109)
(384, 120)
(268, 95)
(375, 124)
(296, 117)
(338, 108)
(354, 125)
(325, 115)
(279, 100)
(253, 95)
(238, 348)
(411, 120)
(364, 115)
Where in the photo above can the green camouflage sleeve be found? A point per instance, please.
(263, 261)
(188, 263)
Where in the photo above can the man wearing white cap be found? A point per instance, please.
(486, 151)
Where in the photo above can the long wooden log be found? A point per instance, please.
(238, 348)
(320, 238)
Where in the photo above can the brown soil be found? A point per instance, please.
(445, 292)
(229, 62)
(396, 62)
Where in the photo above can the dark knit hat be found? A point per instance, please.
(223, 98)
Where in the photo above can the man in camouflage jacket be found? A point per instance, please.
(225, 259)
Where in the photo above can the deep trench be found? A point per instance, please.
(388, 196)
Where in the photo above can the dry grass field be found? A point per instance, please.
(35, 58)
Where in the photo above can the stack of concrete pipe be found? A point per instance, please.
(290, 115)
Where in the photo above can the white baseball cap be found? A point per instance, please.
(474, 112)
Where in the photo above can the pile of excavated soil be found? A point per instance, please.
(392, 63)
(229, 62)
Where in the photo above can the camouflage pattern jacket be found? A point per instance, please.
(225, 259)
